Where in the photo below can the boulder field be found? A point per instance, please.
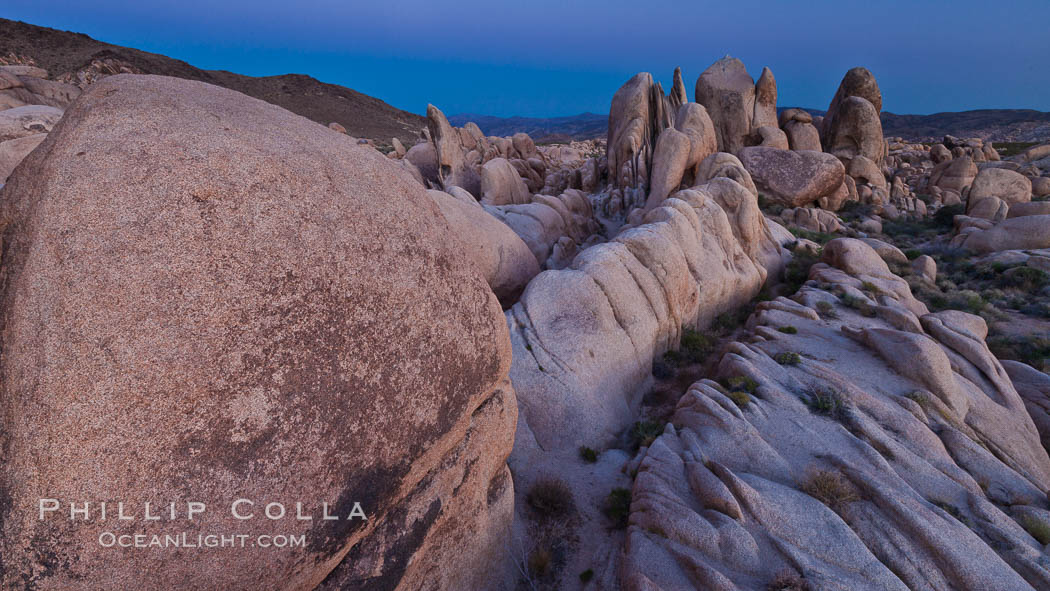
(720, 348)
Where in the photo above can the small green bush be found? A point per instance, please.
(1032, 350)
(741, 383)
(826, 309)
(695, 346)
(788, 330)
(587, 575)
(588, 455)
(643, 433)
(1027, 279)
(859, 304)
(617, 506)
(788, 358)
(912, 253)
(740, 398)
(945, 216)
(797, 271)
(820, 238)
(1037, 528)
(827, 402)
(953, 511)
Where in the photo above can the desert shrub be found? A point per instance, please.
(826, 309)
(1037, 309)
(820, 238)
(662, 370)
(541, 561)
(617, 506)
(1037, 528)
(953, 511)
(1007, 149)
(788, 358)
(966, 300)
(827, 402)
(1031, 349)
(788, 580)
(788, 330)
(588, 455)
(741, 384)
(945, 215)
(1024, 278)
(912, 253)
(550, 497)
(859, 304)
(587, 575)
(643, 433)
(869, 286)
(921, 398)
(740, 398)
(797, 271)
(830, 488)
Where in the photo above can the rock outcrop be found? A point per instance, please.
(793, 178)
(639, 112)
(851, 125)
(225, 301)
(728, 92)
(584, 337)
(872, 446)
(801, 133)
(1017, 233)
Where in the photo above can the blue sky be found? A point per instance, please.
(562, 57)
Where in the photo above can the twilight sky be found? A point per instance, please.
(562, 57)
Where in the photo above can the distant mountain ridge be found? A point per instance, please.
(1002, 125)
(584, 126)
(71, 56)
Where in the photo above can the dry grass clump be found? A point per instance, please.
(830, 488)
(550, 497)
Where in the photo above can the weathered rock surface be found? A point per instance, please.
(1010, 186)
(638, 114)
(28, 120)
(851, 125)
(954, 175)
(728, 92)
(881, 447)
(12, 152)
(765, 114)
(552, 227)
(499, 255)
(1018, 233)
(453, 167)
(793, 178)
(272, 313)
(501, 184)
(801, 133)
(813, 219)
(584, 337)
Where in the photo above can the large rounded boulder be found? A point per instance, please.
(793, 178)
(208, 299)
